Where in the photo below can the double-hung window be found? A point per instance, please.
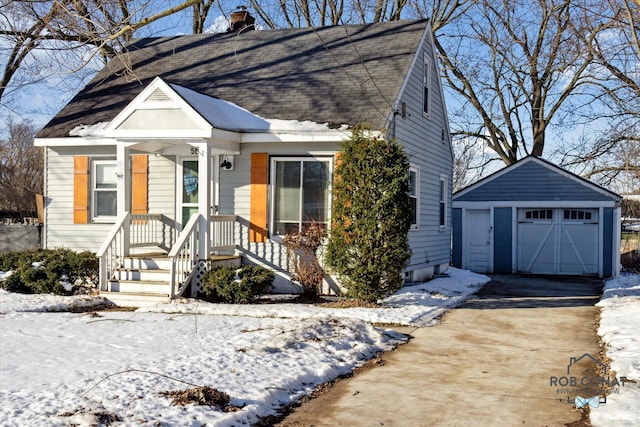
(414, 195)
(443, 202)
(426, 86)
(104, 190)
(301, 193)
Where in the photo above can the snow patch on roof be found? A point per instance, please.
(278, 125)
(222, 114)
(88, 130)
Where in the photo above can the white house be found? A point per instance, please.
(202, 146)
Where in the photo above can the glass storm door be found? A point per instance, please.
(189, 202)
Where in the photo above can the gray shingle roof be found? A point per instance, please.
(338, 75)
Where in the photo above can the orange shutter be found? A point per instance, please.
(337, 160)
(259, 167)
(139, 184)
(80, 189)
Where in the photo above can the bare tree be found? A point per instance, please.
(21, 168)
(612, 156)
(33, 29)
(515, 64)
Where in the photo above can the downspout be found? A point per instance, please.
(617, 237)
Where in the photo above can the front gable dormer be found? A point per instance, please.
(170, 111)
(158, 111)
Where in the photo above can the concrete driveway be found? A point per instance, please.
(490, 362)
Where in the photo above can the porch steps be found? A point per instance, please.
(141, 280)
(144, 280)
(135, 299)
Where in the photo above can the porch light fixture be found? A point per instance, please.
(227, 163)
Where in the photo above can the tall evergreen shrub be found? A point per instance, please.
(368, 244)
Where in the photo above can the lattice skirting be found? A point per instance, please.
(196, 282)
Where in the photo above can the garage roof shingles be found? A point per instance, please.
(534, 179)
(337, 75)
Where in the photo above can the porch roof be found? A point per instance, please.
(221, 114)
(342, 75)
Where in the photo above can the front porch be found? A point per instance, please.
(147, 259)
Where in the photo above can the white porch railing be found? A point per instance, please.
(151, 230)
(130, 231)
(155, 230)
(112, 251)
(184, 256)
(222, 232)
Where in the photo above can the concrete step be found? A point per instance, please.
(141, 287)
(134, 299)
(226, 261)
(145, 280)
(144, 263)
(143, 274)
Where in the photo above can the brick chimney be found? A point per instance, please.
(241, 19)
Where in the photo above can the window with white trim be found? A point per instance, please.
(414, 195)
(538, 214)
(578, 214)
(443, 202)
(104, 193)
(301, 193)
(426, 85)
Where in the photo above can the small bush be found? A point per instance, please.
(43, 270)
(302, 250)
(237, 286)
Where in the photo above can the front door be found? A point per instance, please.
(188, 176)
(477, 247)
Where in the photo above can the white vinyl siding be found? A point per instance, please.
(162, 196)
(60, 231)
(422, 139)
(235, 194)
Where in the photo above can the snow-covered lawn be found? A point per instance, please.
(59, 367)
(620, 331)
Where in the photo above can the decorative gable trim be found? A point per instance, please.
(158, 95)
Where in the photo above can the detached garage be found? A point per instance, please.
(534, 217)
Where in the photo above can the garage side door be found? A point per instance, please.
(558, 241)
(477, 245)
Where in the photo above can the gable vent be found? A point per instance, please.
(158, 96)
